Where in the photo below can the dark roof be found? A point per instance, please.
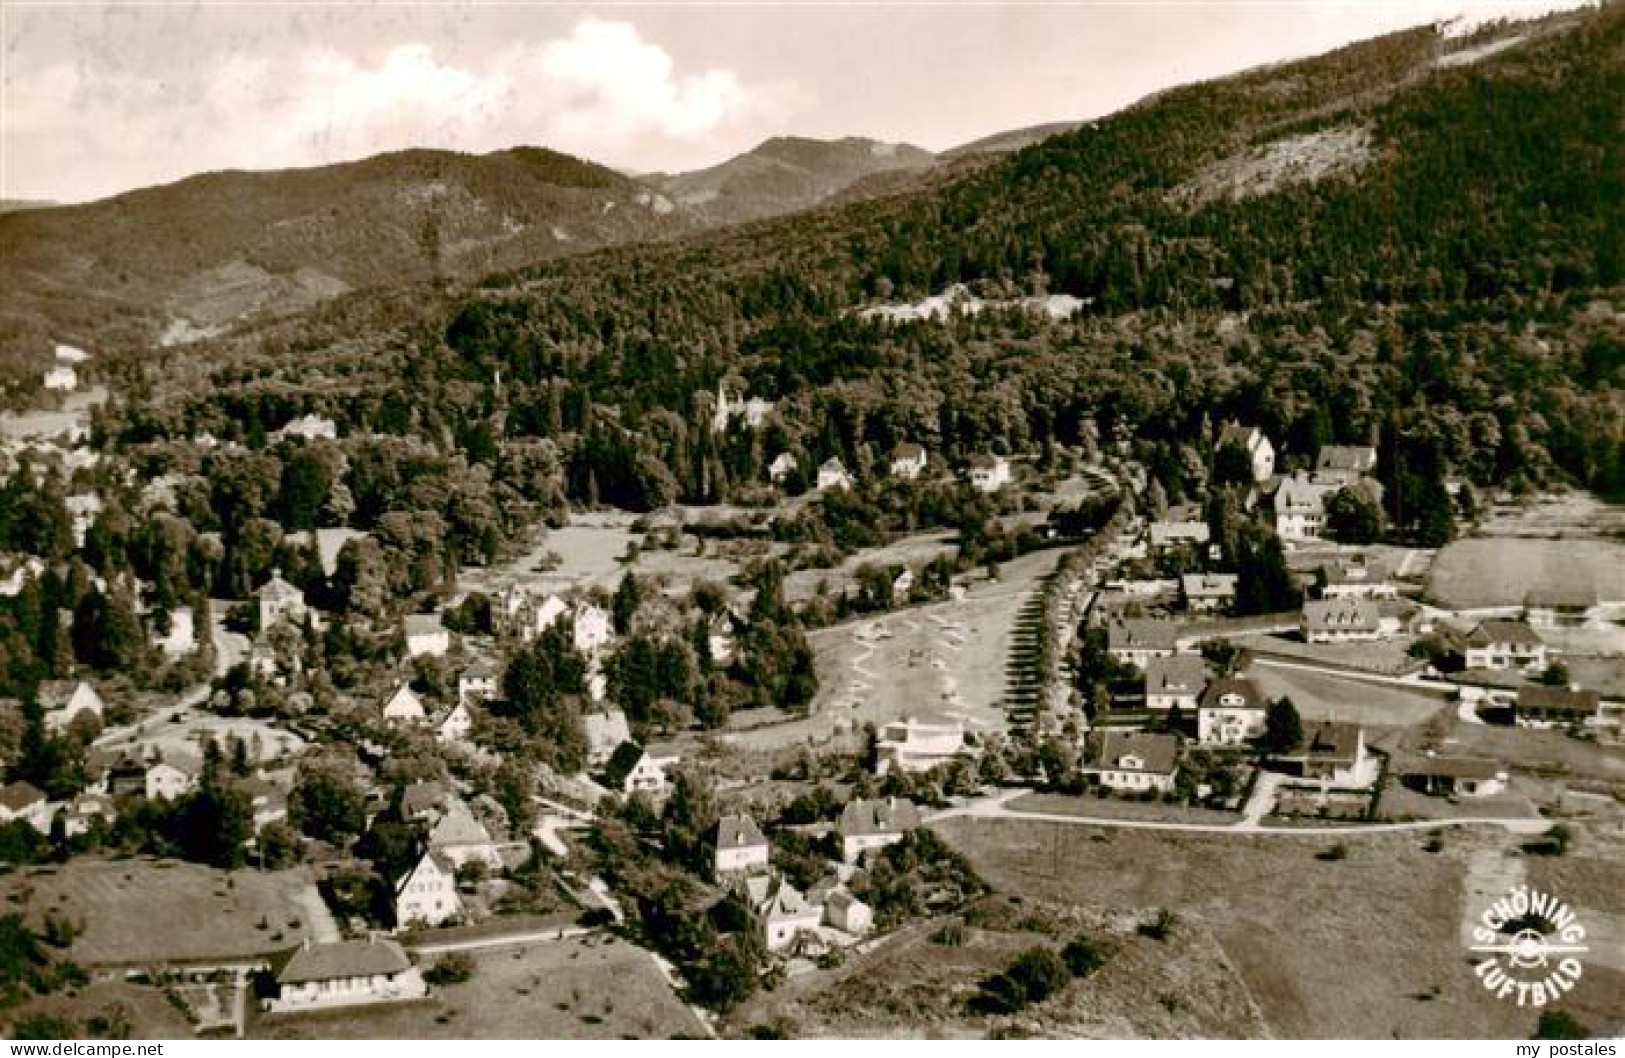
(889, 816)
(16, 796)
(1558, 700)
(1453, 768)
(1159, 753)
(622, 761)
(1252, 697)
(1136, 634)
(1517, 633)
(738, 832)
(345, 958)
(908, 450)
(1180, 672)
(1328, 740)
(1561, 598)
(421, 797)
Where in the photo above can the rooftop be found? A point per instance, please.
(1251, 697)
(341, 959)
(1157, 753)
(890, 815)
(739, 832)
(1516, 633)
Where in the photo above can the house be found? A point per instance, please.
(479, 682)
(719, 639)
(1350, 461)
(343, 973)
(752, 412)
(847, 913)
(740, 847)
(1503, 645)
(832, 475)
(1134, 761)
(1174, 683)
(1231, 712)
(171, 777)
(1181, 528)
(1331, 753)
(1540, 706)
(1558, 607)
(1260, 452)
(427, 894)
(874, 824)
(1208, 592)
(1454, 776)
(424, 801)
(404, 706)
(593, 628)
(61, 377)
(1357, 577)
(989, 473)
(24, 802)
(911, 746)
(528, 617)
(280, 601)
(1300, 507)
(426, 636)
(633, 768)
(453, 724)
(64, 700)
(461, 838)
(87, 810)
(908, 461)
(606, 730)
(783, 465)
(1136, 641)
(309, 427)
(1346, 620)
(783, 912)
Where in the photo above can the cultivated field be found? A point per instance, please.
(1367, 946)
(1550, 754)
(1116, 808)
(1499, 571)
(584, 988)
(1569, 515)
(941, 663)
(1386, 657)
(131, 912)
(1319, 696)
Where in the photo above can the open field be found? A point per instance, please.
(1319, 696)
(187, 730)
(48, 423)
(909, 551)
(130, 910)
(912, 987)
(1546, 753)
(1499, 571)
(1364, 947)
(939, 663)
(1571, 514)
(147, 1012)
(599, 988)
(1386, 657)
(1117, 808)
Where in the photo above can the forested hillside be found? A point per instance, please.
(1399, 241)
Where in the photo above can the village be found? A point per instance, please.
(1110, 669)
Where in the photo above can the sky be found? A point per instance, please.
(98, 98)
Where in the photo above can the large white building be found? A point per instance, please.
(427, 894)
(909, 745)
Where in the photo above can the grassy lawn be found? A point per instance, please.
(134, 912)
(1319, 696)
(1498, 571)
(1364, 947)
(573, 989)
(1386, 657)
(1117, 808)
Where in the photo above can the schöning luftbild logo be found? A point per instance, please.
(1530, 940)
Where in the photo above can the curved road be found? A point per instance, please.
(997, 807)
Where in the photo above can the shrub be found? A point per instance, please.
(1559, 1025)
(1337, 852)
(952, 935)
(1159, 928)
(1084, 956)
(452, 969)
(1032, 977)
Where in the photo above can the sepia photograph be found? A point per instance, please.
(754, 520)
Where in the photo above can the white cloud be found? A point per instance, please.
(602, 92)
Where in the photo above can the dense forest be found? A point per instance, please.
(1452, 282)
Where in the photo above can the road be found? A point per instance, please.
(506, 940)
(997, 807)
